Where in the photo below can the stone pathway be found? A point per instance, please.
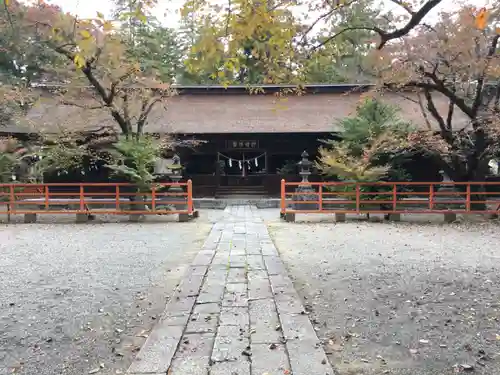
(236, 311)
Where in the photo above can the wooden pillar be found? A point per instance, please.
(217, 168)
(268, 181)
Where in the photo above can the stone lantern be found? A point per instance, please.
(176, 176)
(305, 190)
(304, 167)
(176, 169)
(448, 190)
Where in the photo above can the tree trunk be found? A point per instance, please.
(473, 171)
(137, 198)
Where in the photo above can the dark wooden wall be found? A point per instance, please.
(275, 143)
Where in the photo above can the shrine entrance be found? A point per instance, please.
(242, 168)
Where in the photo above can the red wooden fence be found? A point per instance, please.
(93, 198)
(390, 197)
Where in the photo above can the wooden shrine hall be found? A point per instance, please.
(249, 141)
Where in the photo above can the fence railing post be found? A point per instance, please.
(46, 197)
(190, 196)
(283, 195)
(12, 200)
(117, 197)
(431, 197)
(394, 197)
(357, 198)
(153, 198)
(467, 198)
(82, 203)
(320, 196)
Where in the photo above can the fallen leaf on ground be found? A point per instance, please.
(467, 367)
(143, 333)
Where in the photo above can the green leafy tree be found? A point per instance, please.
(189, 35)
(372, 121)
(158, 49)
(134, 159)
(23, 60)
(10, 158)
(342, 59)
(255, 42)
(361, 154)
(96, 54)
(66, 151)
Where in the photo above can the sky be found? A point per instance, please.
(167, 10)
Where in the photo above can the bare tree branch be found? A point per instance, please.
(404, 5)
(449, 118)
(424, 112)
(445, 133)
(415, 19)
(9, 16)
(480, 82)
(84, 106)
(440, 86)
(321, 18)
(116, 83)
(332, 37)
(386, 36)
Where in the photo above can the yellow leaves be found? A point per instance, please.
(86, 46)
(190, 7)
(107, 26)
(251, 35)
(85, 34)
(136, 67)
(226, 83)
(79, 61)
(481, 19)
(141, 17)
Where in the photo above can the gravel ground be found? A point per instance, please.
(399, 298)
(79, 299)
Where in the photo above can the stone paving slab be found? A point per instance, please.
(270, 361)
(265, 326)
(235, 311)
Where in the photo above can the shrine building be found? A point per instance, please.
(250, 141)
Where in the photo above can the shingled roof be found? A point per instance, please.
(217, 109)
